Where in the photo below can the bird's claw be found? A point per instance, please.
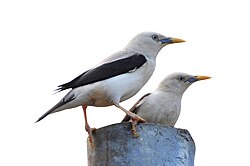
(91, 137)
(138, 119)
(133, 129)
(93, 130)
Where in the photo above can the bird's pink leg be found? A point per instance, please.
(131, 114)
(87, 127)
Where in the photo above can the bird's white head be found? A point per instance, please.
(150, 43)
(179, 82)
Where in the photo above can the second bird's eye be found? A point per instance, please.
(155, 37)
(181, 78)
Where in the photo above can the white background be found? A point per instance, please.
(47, 43)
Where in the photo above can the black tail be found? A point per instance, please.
(43, 116)
(65, 100)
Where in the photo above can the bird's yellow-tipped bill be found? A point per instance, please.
(202, 77)
(176, 40)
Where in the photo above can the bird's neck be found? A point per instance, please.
(148, 52)
(173, 92)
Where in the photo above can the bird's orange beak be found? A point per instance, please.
(202, 77)
(170, 40)
(176, 40)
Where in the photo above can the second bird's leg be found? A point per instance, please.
(87, 127)
(135, 118)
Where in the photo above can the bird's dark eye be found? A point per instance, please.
(155, 37)
(181, 78)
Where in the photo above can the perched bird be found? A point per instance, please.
(115, 79)
(164, 104)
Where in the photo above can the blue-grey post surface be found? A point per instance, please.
(158, 145)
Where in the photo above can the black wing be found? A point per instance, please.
(106, 71)
(135, 107)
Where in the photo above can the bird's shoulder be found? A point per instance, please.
(141, 101)
(135, 107)
(116, 56)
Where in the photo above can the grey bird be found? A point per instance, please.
(163, 106)
(116, 78)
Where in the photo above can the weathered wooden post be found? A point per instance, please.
(158, 145)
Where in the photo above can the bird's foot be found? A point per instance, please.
(133, 129)
(138, 119)
(91, 136)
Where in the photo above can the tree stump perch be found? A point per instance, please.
(158, 145)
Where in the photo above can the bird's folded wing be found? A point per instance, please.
(105, 71)
(135, 107)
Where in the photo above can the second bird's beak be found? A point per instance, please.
(197, 78)
(170, 40)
